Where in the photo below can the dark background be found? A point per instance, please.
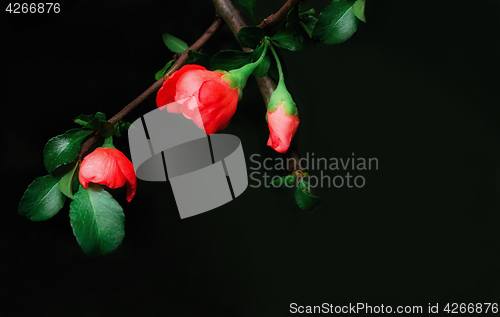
(416, 87)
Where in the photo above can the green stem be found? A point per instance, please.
(306, 28)
(264, 51)
(238, 77)
(308, 12)
(281, 94)
(278, 63)
(80, 122)
(108, 142)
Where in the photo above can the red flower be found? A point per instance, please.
(108, 167)
(204, 96)
(282, 127)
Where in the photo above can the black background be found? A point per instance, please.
(416, 87)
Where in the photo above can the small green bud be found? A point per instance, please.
(282, 96)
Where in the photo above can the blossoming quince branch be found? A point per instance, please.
(225, 11)
(182, 58)
(235, 20)
(96, 217)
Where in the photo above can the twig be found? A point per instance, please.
(280, 15)
(230, 14)
(137, 101)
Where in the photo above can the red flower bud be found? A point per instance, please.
(282, 117)
(204, 96)
(282, 127)
(108, 167)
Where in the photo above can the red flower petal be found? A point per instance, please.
(190, 82)
(201, 95)
(108, 167)
(167, 92)
(190, 109)
(218, 104)
(84, 181)
(282, 129)
(127, 169)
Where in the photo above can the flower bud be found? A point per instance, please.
(209, 98)
(200, 95)
(282, 119)
(109, 167)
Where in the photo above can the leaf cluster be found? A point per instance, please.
(178, 46)
(95, 216)
(336, 23)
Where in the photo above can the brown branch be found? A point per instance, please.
(230, 14)
(153, 88)
(279, 16)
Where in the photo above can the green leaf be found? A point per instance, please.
(66, 182)
(164, 69)
(63, 149)
(121, 127)
(304, 185)
(307, 13)
(92, 124)
(292, 17)
(289, 179)
(304, 199)
(197, 57)
(293, 36)
(106, 129)
(85, 119)
(174, 44)
(101, 116)
(358, 9)
(293, 40)
(251, 36)
(231, 59)
(42, 200)
(262, 69)
(103, 127)
(97, 220)
(279, 182)
(97, 123)
(249, 5)
(308, 23)
(336, 23)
